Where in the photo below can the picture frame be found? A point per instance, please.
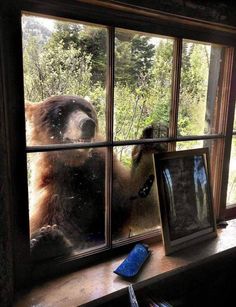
(185, 199)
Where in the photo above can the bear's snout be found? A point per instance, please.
(87, 126)
(80, 128)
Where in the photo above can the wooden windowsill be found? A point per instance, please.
(96, 284)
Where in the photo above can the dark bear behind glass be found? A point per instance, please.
(67, 187)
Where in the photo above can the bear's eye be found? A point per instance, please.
(58, 112)
(56, 118)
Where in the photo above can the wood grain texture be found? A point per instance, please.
(98, 284)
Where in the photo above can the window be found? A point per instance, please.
(141, 72)
(71, 58)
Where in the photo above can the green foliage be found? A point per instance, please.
(134, 59)
(162, 81)
(73, 60)
(143, 84)
(91, 41)
(34, 72)
(67, 70)
(55, 70)
(32, 27)
(194, 84)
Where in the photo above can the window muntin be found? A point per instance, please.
(159, 132)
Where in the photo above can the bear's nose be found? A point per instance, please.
(87, 126)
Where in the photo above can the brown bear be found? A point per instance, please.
(67, 187)
(144, 214)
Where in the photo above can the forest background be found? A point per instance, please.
(71, 58)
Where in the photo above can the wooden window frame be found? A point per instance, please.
(110, 15)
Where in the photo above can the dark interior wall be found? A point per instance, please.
(214, 11)
(219, 12)
(6, 262)
(6, 269)
(6, 265)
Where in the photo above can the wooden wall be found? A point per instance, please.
(213, 11)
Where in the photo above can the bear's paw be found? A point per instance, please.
(48, 242)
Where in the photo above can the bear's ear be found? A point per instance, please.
(30, 110)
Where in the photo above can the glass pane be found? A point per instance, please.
(194, 144)
(67, 189)
(135, 203)
(231, 190)
(200, 78)
(210, 144)
(63, 58)
(143, 77)
(189, 145)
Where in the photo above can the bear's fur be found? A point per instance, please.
(145, 212)
(67, 189)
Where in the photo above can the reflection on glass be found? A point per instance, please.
(199, 85)
(134, 203)
(189, 145)
(195, 144)
(66, 189)
(231, 190)
(143, 76)
(64, 58)
(186, 188)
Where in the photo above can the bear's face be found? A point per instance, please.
(61, 119)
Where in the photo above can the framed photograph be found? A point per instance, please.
(185, 199)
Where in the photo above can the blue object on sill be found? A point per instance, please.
(134, 261)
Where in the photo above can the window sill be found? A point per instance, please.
(98, 284)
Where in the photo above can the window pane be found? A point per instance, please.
(66, 188)
(200, 78)
(231, 189)
(194, 144)
(189, 145)
(143, 76)
(135, 204)
(63, 58)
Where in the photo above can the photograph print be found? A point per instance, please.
(185, 197)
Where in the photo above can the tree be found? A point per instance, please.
(67, 70)
(161, 83)
(62, 65)
(34, 72)
(133, 59)
(146, 99)
(90, 40)
(31, 27)
(142, 53)
(73, 60)
(194, 85)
